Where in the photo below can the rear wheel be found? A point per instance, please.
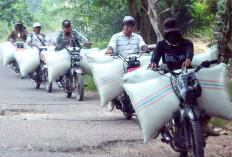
(69, 94)
(197, 140)
(80, 87)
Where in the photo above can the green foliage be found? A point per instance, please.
(98, 20)
(202, 15)
(90, 83)
(13, 10)
(217, 122)
(101, 44)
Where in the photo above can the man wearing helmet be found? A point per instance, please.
(37, 38)
(19, 33)
(126, 42)
(69, 37)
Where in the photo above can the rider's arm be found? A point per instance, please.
(157, 54)
(113, 43)
(29, 39)
(58, 39)
(189, 50)
(10, 36)
(142, 45)
(79, 36)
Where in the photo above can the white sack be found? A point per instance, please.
(28, 60)
(215, 97)
(140, 75)
(154, 102)
(107, 78)
(7, 49)
(210, 54)
(57, 62)
(84, 62)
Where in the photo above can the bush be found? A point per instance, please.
(90, 83)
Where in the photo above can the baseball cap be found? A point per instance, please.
(128, 20)
(170, 25)
(66, 23)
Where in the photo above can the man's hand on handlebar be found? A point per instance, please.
(187, 63)
(109, 52)
(89, 43)
(144, 48)
(152, 66)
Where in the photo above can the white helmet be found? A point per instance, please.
(37, 24)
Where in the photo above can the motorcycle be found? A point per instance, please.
(184, 132)
(123, 102)
(14, 65)
(40, 76)
(73, 81)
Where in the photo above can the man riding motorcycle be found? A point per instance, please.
(125, 42)
(176, 52)
(19, 33)
(68, 37)
(37, 38)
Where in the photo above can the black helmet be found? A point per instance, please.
(128, 20)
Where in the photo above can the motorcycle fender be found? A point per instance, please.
(181, 114)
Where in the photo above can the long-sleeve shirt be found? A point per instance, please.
(123, 44)
(61, 39)
(173, 56)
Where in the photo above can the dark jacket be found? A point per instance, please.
(173, 56)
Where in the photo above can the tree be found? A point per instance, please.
(13, 10)
(224, 32)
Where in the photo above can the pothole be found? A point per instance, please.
(14, 112)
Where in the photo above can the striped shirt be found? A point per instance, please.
(123, 44)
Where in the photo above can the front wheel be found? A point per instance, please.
(197, 140)
(80, 87)
(36, 85)
(48, 86)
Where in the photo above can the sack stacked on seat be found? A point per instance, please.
(155, 101)
(107, 78)
(57, 62)
(84, 63)
(7, 49)
(210, 54)
(28, 60)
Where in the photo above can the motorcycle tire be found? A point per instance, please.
(80, 87)
(128, 116)
(21, 76)
(48, 86)
(36, 85)
(197, 138)
(69, 94)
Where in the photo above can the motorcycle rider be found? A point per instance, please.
(19, 33)
(125, 42)
(37, 38)
(68, 37)
(176, 52)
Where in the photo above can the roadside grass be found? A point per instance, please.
(90, 84)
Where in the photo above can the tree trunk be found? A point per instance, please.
(154, 19)
(225, 43)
